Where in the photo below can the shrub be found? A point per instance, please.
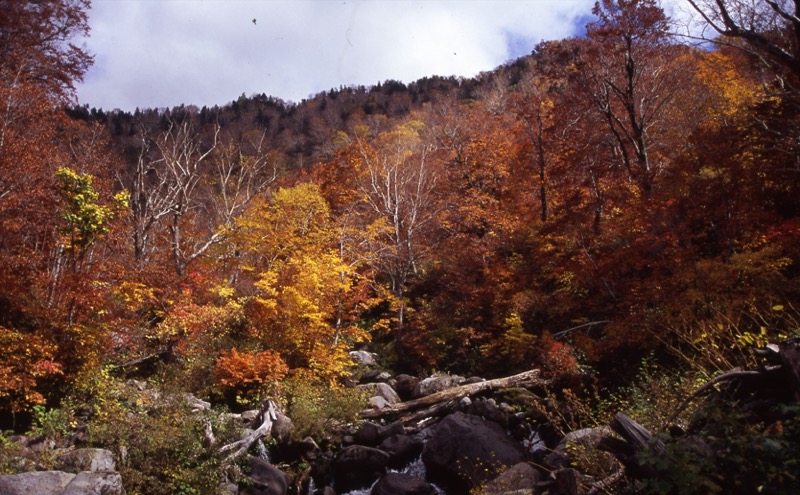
(730, 453)
(318, 410)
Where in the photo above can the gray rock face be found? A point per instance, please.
(521, 478)
(466, 451)
(95, 483)
(363, 358)
(436, 383)
(382, 391)
(75, 461)
(402, 484)
(39, 482)
(358, 467)
(266, 479)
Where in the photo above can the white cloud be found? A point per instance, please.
(157, 53)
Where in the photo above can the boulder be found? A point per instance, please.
(38, 482)
(436, 383)
(577, 442)
(378, 403)
(95, 483)
(565, 482)
(404, 385)
(402, 449)
(196, 404)
(368, 434)
(466, 451)
(364, 358)
(266, 479)
(357, 467)
(383, 391)
(375, 376)
(75, 461)
(402, 484)
(282, 428)
(371, 434)
(520, 478)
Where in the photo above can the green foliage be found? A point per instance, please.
(652, 397)
(729, 453)
(84, 217)
(154, 435)
(54, 423)
(317, 410)
(9, 456)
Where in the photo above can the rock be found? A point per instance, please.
(402, 484)
(402, 449)
(75, 461)
(378, 403)
(436, 383)
(395, 428)
(367, 434)
(95, 483)
(266, 479)
(465, 451)
(38, 482)
(387, 392)
(358, 467)
(579, 441)
(375, 376)
(196, 404)
(371, 434)
(404, 386)
(282, 428)
(566, 482)
(227, 488)
(488, 409)
(308, 449)
(520, 478)
(364, 358)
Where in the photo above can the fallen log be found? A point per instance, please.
(270, 415)
(408, 411)
(635, 439)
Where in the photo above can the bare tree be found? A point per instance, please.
(769, 28)
(398, 184)
(179, 175)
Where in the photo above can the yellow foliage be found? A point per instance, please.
(302, 286)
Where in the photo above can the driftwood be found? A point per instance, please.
(635, 439)
(269, 414)
(439, 402)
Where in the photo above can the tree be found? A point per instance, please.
(300, 284)
(398, 180)
(630, 79)
(770, 30)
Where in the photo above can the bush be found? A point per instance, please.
(317, 410)
(156, 438)
(730, 453)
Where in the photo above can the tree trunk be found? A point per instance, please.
(413, 409)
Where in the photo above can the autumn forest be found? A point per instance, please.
(624, 196)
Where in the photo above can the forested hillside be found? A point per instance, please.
(612, 198)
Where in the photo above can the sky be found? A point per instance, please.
(163, 53)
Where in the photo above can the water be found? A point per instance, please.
(415, 469)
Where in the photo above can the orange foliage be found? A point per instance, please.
(249, 371)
